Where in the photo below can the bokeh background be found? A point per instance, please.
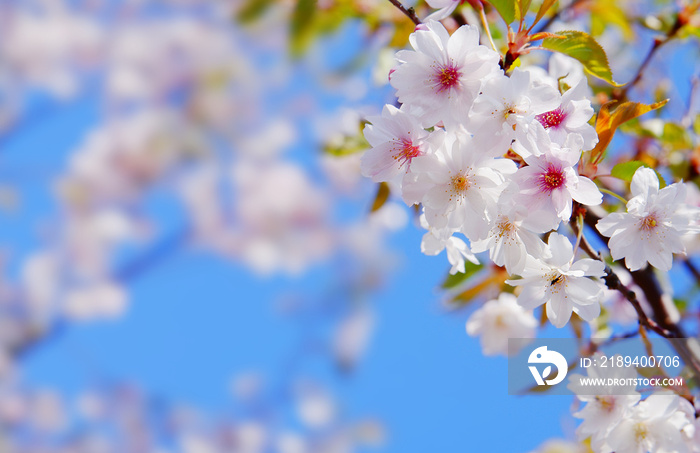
(191, 261)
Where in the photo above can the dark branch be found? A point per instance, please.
(409, 12)
(658, 42)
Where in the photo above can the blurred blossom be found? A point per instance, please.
(560, 446)
(352, 336)
(195, 111)
(282, 217)
(315, 407)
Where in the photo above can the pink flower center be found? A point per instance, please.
(405, 152)
(551, 119)
(446, 77)
(552, 179)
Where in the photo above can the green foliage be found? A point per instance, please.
(544, 7)
(606, 14)
(347, 145)
(522, 7)
(506, 8)
(457, 279)
(302, 26)
(253, 10)
(625, 170)
(582, 47)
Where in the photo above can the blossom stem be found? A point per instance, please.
(556, 15)
(485, 24)
(613, 194)
(409, 12)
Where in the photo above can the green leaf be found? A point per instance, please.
(582, 47)
(455, 280)
(626, 170)
(382, 196)
(347, 145)
(544, 7)
(300, 29)
(605, 14)
(523, 7)
(252, 10)
(506, 8)
(676, 136)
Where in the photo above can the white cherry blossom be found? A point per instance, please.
(549, 182)
(659, 424)
(604, 410)
(571, 117)
(435, 241)
(561, 284)
(498, 320)
(396, 138)
(654, 224)
(444, 8)
(506, 110)
(442, 76)
(457, 185)
(508, 241)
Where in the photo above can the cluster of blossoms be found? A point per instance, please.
(184, 115)
(123, 418)
(617, 419)
(493, 158)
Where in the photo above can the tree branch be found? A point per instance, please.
(409, 12)
(658, 42)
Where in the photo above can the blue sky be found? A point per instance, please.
(196, 320)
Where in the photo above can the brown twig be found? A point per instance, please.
(658, 42)
(692, 269)
(409, 12)
(556, 16)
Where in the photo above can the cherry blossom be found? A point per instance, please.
(654, 224)
(446, 7)
(561, 284)
(498, 320)
(659, 423)
(396, 138)
(457, 185)
(571, 117)
(507, 108)
(549, 183)
(435, 241)
(443, 74)
(607, 407)
(508, 241)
